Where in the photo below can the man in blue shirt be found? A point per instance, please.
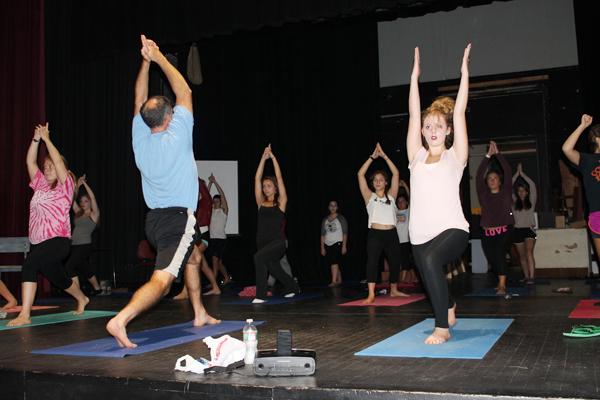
(163, 147)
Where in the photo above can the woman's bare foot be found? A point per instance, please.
(9, 305)
(397, 293)
(438, 336)
(205, 319)
(501, 291)
(20, 320)
(183, 295)
(452, 315)
(81, 306)
(214, 291)
(117, 330)
(369, 299)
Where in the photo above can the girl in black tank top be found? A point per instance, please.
(271, 200)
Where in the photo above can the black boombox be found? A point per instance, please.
(285, 361)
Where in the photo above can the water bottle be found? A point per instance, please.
(251, 341)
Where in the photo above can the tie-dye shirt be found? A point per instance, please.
(49, 209)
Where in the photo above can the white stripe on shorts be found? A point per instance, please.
(184, 244)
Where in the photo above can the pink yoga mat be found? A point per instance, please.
(34, 308)
(386, 301)
(586, 309)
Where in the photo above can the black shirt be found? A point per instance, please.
(589, 166)
(269, 225)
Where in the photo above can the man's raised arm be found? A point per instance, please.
(141, 86)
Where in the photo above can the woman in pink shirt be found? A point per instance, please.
(438, 149)
(49, 226)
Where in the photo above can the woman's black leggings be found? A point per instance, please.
(385, 241)
(266, 260)
(431, 258)
(47, 257)
(495, 244)
(79, 261)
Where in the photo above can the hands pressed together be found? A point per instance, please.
(378, 152)
(150, 50)
(41, 132)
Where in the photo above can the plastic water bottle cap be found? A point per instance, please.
(249, 321)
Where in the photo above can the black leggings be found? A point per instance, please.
(47, 257)
(431, 258)
(266, 260)
(79, 261)
(385, 241)
(495, 248)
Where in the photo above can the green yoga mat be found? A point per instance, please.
(49, 319)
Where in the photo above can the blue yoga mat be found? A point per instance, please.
(491, 292)
(471, 338)
(247, 301)
(149, 340)
(57, 318)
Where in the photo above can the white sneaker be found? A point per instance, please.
(258, 301)
(290, 295)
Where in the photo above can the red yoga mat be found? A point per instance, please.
(586, 309)
(33, 308)
(385, 301)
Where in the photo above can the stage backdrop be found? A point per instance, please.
(226, 175)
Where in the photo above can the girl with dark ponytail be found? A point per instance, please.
(382, 236)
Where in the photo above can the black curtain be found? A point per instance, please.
(309, 89)
(21, 108)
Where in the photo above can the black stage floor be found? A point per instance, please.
(531, 360)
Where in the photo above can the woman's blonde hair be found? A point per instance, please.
(443, 106)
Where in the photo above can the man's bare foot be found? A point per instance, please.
(181, 296)
(81, 306)
(438, 336)
(397, 293)
(9, 305)
(20, 320)
(205, 319)
(369, 299)
(117, 330)
(216, 291)
(501, 291)
(333, 284)
(452, 315)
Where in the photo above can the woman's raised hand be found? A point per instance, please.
(375, 153)
(464, 69)
(380, 151)
(586, 120)
(416, 72)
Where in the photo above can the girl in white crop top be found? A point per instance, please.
(437, 227)
(382, 236)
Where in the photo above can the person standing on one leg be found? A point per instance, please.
(494, 189)
(49, 226)
(382, 236)
(271, 200)
(438, 150)
(87, 215)
(218, 237)
(164, 154)
(589, 166)
(334, 239)
(524, 200)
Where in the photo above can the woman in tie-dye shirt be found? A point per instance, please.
(49, 226)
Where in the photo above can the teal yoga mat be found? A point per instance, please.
(471, 338)
(49, 319)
